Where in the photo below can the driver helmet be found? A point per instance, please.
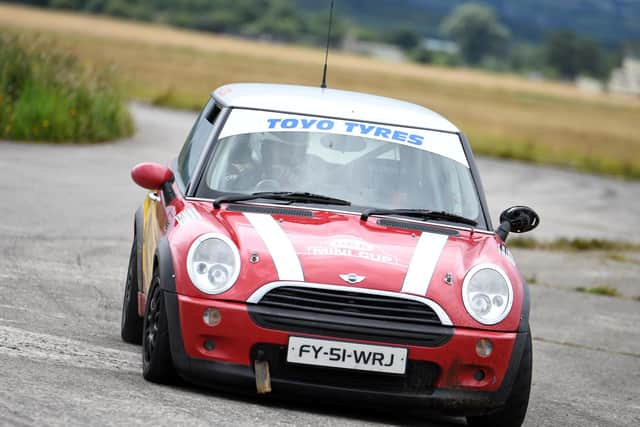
(279, 148)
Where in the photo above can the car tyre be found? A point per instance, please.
(515, 409)
(157, 365)
(131, 322)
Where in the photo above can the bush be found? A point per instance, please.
(48, 96)
(421, 55)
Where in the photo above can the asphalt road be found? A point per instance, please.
(64, 241)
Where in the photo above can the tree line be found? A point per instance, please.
(274, 19)
(482, 40)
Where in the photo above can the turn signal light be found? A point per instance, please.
(211, 316)
(484, 347)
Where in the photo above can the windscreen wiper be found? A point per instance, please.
(289, 196)
(419, 213)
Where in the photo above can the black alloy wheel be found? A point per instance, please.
(157, 365)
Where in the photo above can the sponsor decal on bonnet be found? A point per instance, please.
(505, 252)
(348, 246)
(188, 214)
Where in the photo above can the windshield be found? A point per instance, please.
(370, 165)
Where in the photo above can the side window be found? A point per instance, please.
(198, 137)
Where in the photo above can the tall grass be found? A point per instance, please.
(50, 96)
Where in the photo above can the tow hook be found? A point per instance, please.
(263, 378)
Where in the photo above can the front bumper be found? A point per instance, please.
(443, 378)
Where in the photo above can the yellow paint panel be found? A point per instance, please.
(149, 242)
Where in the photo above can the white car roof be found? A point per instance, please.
(307, 100)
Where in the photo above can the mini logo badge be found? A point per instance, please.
(352, 278)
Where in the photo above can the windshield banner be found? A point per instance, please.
(252, 121)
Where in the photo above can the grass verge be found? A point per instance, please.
(50, 96)
(618, 257)
(564, 244)
(599, 290)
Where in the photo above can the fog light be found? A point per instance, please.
(209, 344)
(484, 347)
(211, 316)
(479, 375)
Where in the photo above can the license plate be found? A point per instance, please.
(347, 355)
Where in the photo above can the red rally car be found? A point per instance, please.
(325, 242)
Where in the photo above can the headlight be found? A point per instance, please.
(487, 294)
(213, 263)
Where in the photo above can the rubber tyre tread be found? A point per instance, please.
(159, 368)
(131, 322)
(515, 409)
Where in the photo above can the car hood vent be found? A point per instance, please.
(271, 210)
(417, 227)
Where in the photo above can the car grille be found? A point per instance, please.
(420, 377)
(350, 315)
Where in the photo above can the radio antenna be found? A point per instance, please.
(326, 54)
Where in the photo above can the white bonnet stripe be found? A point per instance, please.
(280, 248)
(423, 263)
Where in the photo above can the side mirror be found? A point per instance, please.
(151, 175)
(518, 219)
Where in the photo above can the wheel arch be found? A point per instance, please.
(526, 308)
(163, 261)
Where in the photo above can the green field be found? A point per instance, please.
(504, 115)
